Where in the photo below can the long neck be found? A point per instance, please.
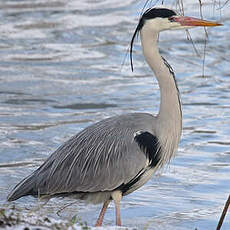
(169, 119)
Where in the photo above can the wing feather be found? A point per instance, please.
(101, 157)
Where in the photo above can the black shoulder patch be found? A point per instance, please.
(150, 145)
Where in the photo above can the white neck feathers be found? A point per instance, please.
(169, 119)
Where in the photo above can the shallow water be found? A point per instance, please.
(61, 70)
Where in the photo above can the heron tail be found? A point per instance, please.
(25, 187)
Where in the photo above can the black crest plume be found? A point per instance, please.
(148, 14)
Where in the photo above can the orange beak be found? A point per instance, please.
(189, 21)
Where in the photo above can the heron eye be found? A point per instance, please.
(172, 19)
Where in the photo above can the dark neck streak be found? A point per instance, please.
(169, 119)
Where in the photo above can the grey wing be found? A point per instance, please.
(102, 157)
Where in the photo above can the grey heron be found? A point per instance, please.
(117, 155)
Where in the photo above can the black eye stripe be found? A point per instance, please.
(158, 13)
(155, 13)
(149, 14)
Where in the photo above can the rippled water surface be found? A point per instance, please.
(61, 70)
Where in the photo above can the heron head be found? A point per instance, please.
(159, 19)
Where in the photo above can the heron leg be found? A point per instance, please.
(117, 195)
(102, 213)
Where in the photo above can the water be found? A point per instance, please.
(61, 70)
